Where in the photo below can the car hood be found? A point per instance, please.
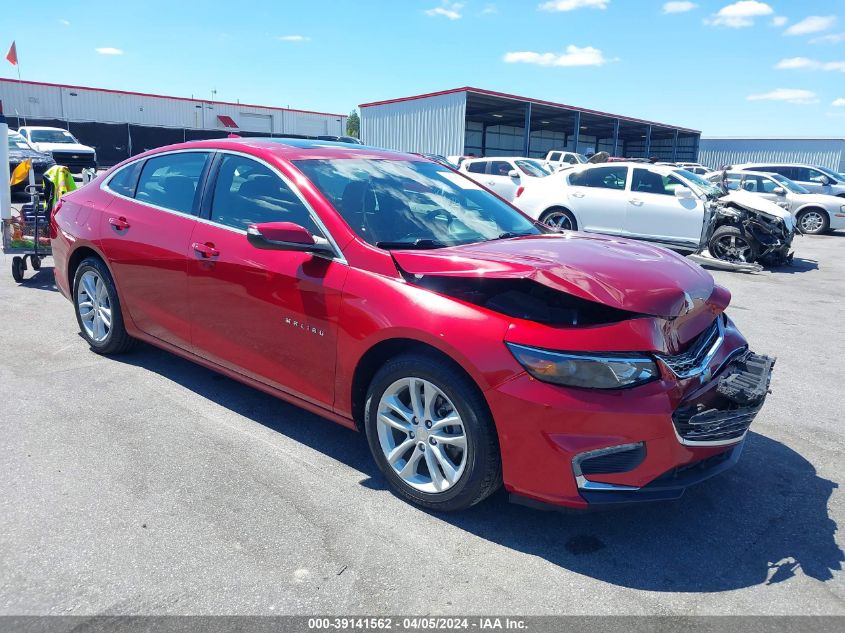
(627, 275)
(64, 147)
(755, 202)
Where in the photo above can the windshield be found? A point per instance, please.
(830, 173)
(16, 141)
(51, 136)
(410, 204)
(701, 185)
(533, 168)
(789, 185)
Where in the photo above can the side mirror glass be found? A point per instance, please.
(779, 191)
(824, 180)
(684, 193)
(286, 236)
(513, 173)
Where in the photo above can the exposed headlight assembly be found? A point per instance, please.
(589, 371)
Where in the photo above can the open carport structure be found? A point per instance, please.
(487, 123)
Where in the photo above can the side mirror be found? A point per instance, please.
(513, 173)
(824, 180)
(286, 236)
(779, 191)
(684, 193)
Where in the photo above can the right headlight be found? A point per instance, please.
(589, 371)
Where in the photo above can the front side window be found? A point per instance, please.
(500, 168)
(248, 192)
(646, 181)
(171, 181)
(52, 136)
(814, 175)
(412, 204)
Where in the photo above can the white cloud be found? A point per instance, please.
(108, 50)
(574, 56)
(832, 38)
(450, 10)
(740, 14)
(65, 22)
(679, 7)
(779, 20)
(571, 5)
(789, 95)
(293, 38)
(797, 63)
(812, 24)
(838, 103)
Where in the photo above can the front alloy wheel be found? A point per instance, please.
(421, 435)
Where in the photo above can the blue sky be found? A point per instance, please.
(727, 68)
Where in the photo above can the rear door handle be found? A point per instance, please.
(636, 202)
(577, 194)
(119, 223)
(205, 250)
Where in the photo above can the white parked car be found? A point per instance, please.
(504, 174)
(665, 205)
(815, 213)
(558, 159)
(813, 178)
(64, 147)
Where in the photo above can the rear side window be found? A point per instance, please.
(125, 180)
(478, 167)
(171, 181)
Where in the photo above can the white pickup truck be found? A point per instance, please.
(557, 159)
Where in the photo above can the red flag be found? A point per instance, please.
(13, 55)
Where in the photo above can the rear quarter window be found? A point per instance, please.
(125, 179)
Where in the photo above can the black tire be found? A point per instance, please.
(35, 262)
(117, 341)
(18, 266)
(482, 473)
(822, 225)
(559, 212)
(720, 246)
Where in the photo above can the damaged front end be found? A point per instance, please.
(748, 229)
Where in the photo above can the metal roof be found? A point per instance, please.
(504, 95)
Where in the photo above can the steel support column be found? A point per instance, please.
(577, 130)
(675, 147)
(527, 142)
(648, 143)
(615, 137)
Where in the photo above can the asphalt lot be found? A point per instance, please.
(147, 485)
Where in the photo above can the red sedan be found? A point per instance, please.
(393, 295)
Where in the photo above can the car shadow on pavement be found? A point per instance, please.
(798, 265)
(756, 524)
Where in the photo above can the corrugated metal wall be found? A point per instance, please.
(433, 125)
(716, 152)
(82, 104)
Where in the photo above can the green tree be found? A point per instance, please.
(353, 125)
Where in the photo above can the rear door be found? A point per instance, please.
(146, 240)
(599, 199)
(268, 314)
(655, 213)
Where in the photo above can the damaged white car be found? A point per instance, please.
(664, 205)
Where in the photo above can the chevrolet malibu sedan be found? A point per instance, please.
(395, 296)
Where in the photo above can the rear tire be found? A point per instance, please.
(559, 219)
(813, 221)
(446, 457)
(97, 309)
(729, 244)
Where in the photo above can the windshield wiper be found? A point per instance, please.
(418, 244)
(509, 234)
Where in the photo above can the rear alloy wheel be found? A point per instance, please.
(98, 308)
(560, 220)
(730, 245)
(813, 221)
(430, 433)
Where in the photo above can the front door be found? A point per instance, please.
(150, 222)
(268, 314)
(656, 214)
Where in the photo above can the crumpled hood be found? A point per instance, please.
(619, 273)
(756, 202)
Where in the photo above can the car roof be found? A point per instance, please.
(666, 169)
(472, 160)
(42, 127)
(773, 163)
(293, 148)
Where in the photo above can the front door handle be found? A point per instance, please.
(119, 223)
(205, 250)
(577, 194)
(636, 202)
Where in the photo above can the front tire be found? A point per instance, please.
(730, 245)
(97, 308)
(431, 434)
(813, 221)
